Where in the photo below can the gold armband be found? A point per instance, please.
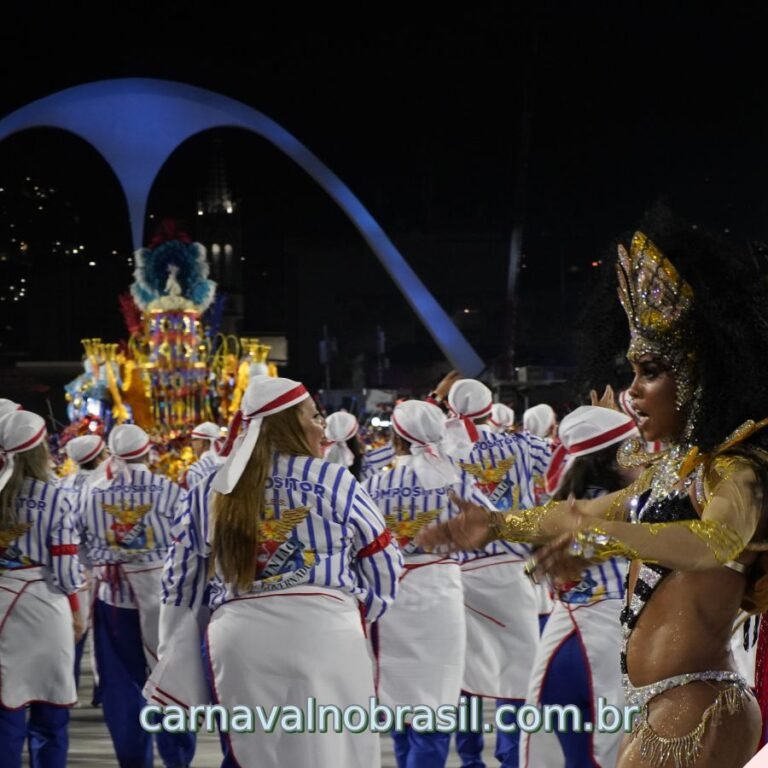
(596, 544)
(724, 543)
(523, 525)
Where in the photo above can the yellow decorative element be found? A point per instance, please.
(174, 465)
(69, 467)
(634, 453)
(310, 557)
(654, 296)
(741, 433)
(170, 304)
(12, 532)
(128, 368)
(254, 351)
(720, 469)
(657, 302)
(524, 525)
(486, 473)
(93, 351)
(243, 372)
(409, 525)
(274, 528)
(690, 462)
(119, 411)
(126, 513)
(724, 543)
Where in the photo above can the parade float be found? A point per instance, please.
(176, 369)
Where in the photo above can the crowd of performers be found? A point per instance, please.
(611, 556)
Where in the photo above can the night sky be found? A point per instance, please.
(423, 122)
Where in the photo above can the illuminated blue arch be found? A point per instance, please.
(135, 124)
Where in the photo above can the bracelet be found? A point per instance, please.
(523, 525)
(596, 544)
(496, 525)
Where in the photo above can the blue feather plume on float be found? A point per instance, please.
(167, 260)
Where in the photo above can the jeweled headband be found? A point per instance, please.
(658, 303)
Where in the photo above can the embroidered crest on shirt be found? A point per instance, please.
(582, 592)
(10, 554)
(486, 473)
(405, 523)
(494, 482)
(130, 531)
(280, 551)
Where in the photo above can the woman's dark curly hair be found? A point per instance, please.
(728, 323)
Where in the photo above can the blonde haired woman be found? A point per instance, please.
(302, 561)
(39, 579)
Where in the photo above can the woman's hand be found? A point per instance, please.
(557, 561)
(607, 400)
(561, 559)
(470, 529)
(442, 389)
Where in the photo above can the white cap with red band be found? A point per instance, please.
(129, 441)
(126, 442)
(539, 419)
(264, 397)
(8, 406)
(591, 428)
(20, 431)
(340, 427)
(84, 449)
(468, 399)
(423, 426)
(206, 431)
(588, 429)
(502, 417)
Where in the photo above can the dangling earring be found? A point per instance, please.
(693, 416)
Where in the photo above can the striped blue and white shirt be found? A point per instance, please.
(541, 449)
(374, 461)
(185, 575)
(407, 507)
(207, 464)
(128, 521)
(184, 585)
(74, 481)
(44, 534)
(318, 527)
(505, 466)
(600, 581)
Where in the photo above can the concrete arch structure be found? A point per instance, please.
(135, 124)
